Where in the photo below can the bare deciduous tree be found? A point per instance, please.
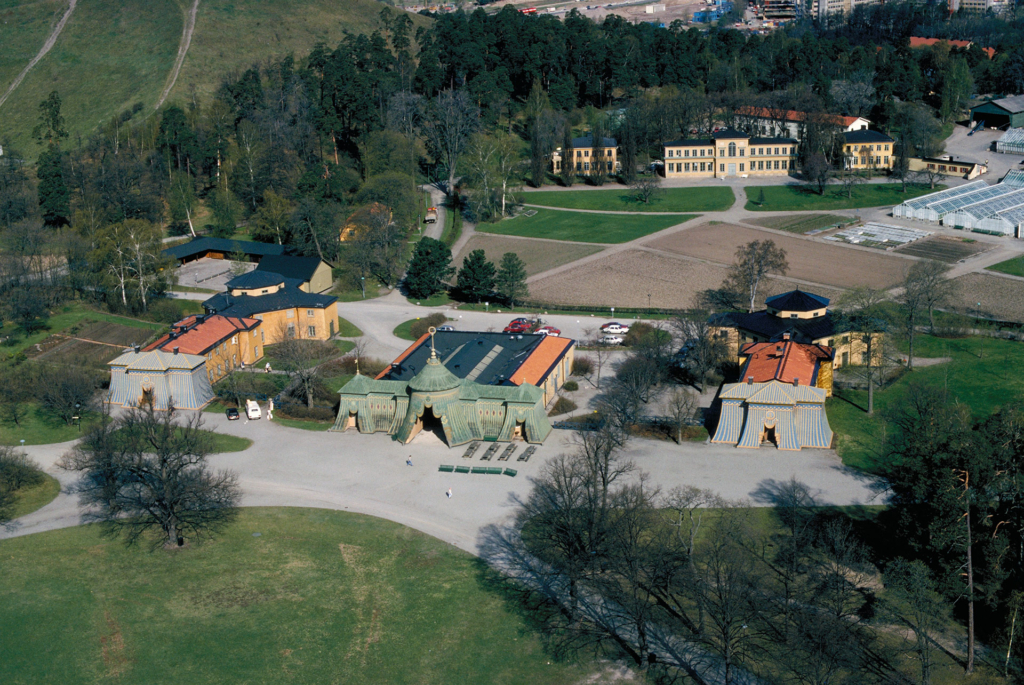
(148, 471)
(754, 261)
(301, 359)
(451, 120)
(682, 405)
(701, 347)
(645, 187)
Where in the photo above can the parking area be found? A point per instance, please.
(979, 148)
(209, 273)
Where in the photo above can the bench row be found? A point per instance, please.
(492, 470)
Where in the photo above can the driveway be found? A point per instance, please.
(368, 474)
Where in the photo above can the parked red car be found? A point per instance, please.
(518, 326)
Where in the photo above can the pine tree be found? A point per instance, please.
(430, 265)
(510, 282)
(760, 198)
(476, 277)
(54, 197)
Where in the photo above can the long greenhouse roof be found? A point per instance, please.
(925, 200)
(1013, 136)
(1015, 198)
(970, 199)
(1015, 216)
(1014, 177)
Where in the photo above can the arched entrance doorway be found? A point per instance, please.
(430, 423)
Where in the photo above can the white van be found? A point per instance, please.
(252, 409)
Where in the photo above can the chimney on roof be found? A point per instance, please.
(750, 380)
(137, 348)
(796, 382)
(785, 336)
(176, 350)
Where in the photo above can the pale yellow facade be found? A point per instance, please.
(868, 156)
(244, 347)
(851, 348)
(729, 157)
(589, 161)
(301, 323)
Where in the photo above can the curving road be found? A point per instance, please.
(47, 45)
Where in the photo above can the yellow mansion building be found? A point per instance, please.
(729, 153)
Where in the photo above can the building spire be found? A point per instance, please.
(433, 352)
(357, 364)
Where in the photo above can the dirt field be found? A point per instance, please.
(949, 249)
(1000, 298)
(539, 255)
(624, 279)
(90, 343)
(809, 260)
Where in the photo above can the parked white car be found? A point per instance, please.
(615, 327)
(611, 340)
(252, 410)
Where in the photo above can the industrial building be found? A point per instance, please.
(1001, 112)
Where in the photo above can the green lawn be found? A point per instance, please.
(795, 198)
(802, 223)
(27, 500)
(229, 443)
(39, 427)
(317, 597)
(582, 227)
(404, 329)
(1014, 267)
(977, 376)
(709, 199)
(440, 299)
(305, 424)
(347, 329)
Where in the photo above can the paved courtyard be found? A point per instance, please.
(368, 474)
(208, 273)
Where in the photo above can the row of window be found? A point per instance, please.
(943, 167)
(733, 151)
(586, 166)
(866, 148)
(597, 153)
(760, 165)
(875, 161)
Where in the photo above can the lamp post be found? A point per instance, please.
(648, 300)
(362, 284)
(487, 306)
(77, 418)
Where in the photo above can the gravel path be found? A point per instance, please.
(186, 41)
(51, 40)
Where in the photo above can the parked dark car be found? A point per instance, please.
(232, 414)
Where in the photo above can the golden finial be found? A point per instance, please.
(357, 365)
(433, 352)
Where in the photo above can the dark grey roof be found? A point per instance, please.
(255, 279)
(301, 268)
(588, 141)
(797, 301)
(287, 297)
(1012, 104)
(485, 358)
(773, 141)
(226, 245)
(729, 134)
(855, 137)
(768, 326)
(683, 142)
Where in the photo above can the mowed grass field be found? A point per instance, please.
(977, 377)
(583, 227)
(317, 597)
(113, 55)
(711, 199)
(538, 255)
(801, 223)
(1014, 267)
(797, 198)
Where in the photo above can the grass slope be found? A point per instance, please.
(27, 500)
(1014, 266)
(583, 227)
(112, 55)
(319, 597)
(797, 198)
(711, 199)
(977, 377)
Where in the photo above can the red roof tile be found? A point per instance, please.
(918, 42)
(535, 368)
(790, 115)
(191, 336)
(783, 361)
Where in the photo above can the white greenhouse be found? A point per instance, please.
(1009, 222)
(1014, 178)
(1012, 142)
(908, 209)
(968, 217)
(936, 210)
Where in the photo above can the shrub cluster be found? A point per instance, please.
(421, 326)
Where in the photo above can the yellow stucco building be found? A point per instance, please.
(226, 342)
(729, 153)
(588, 158)
(277, 302)
(868, 150)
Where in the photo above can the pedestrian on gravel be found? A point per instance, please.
(449, 493)
(408, 462)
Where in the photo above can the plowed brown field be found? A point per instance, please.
(809, 260)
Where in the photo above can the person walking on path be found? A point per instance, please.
(408, 462)
(449, 493)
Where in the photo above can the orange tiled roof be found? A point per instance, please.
(398, 360)
(535, 368)
(918, 42)
(791, 115)
(199, 337)
(784, 361)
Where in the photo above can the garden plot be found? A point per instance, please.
(809, 260)
(89, 343)
(539, 255)
(882, 236)
(625, 279)
(947, 249)
(999, 298)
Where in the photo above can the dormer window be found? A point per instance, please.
(794, 316)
